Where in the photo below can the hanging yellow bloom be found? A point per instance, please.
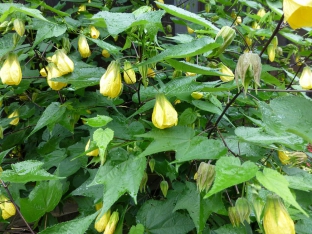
(101, 223)
(53, 72)
(225, 70)
(83, 46)
(197, 95)
(112, 223)
(93, 152)
(43, 72)
(298, 13)
(306, 78)
(129, 74)
(164, 115)
(105, 53)
(15, 120)
(19, 27)
(63, 62)
(110, 83)
(94, 32)
(7, 207)
(11, 72)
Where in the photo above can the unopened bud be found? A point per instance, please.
(129, 74)
(93, 152)
(258, 205)
(227, 71)
(151, 164)
(11, 72)
(66, 45)
(164, 187)
(105, 53)
(83, 46)
(112, 223)
(14, 115)
(101, 223)
(206, 174)
(19, 27)
(305, 80)
(228, 34)
(7, 207)
(197, 95)
(143, 72)
(233, 215)
(143, 182)
(243, 209)
(94, 33)
(271, 52)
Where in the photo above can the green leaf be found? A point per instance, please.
(98, 121)
(77, 226)
(277, 183)
(112, 49)
(158, 218)
(183, 140)
(102, 138)
(118, 180)
(229, 229)
(138, 229)
(188, 117)
(4, 153)
(186, 15)
(50, 116)
(27, 171)
(6, 44)
(229, 172)
(43, 198)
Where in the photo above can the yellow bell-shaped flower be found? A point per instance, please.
(7, 207)
(112, 223)
(94, 33)
(83, 46)
(93, 152)
(276, 219)
(298, 13)
(53, 72)
(15, 120)
(225, 70)
(101, 223)
(110, 83)
(11, 72)
(129, 74)
(63, 62)
(164, 115)
(105, 53)
(306, 78)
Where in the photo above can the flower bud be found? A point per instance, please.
(7, 207)
(43, 72)
(4, 25)
(197, 95)
(227, 71)
(276, 219)
(110, 83)
(190, 30)
(66, 44)
(274, 42)
(94, 33)
(11, 72)
(257, 205)
(19, 26)
(261, 12)
(105, 54)
(243, 209)
(283, 157)
(129, 74)
(83, 46)
(205, 176)
(143, 182)
(255, 25)
(53, 72)
(176, 73)
(93, 152)
(150, 73)
(64, 64)
(112, 223)
(82, 8)
(207, 7)
(98, 206)
(234, 217)
(143, 72)
(164, 115)
(271, 52)
(164, 187)
(16, 119)
(151, 164)
(305, 80)
(238, 20)
(190, 74)
(228, 34)
(101, 223)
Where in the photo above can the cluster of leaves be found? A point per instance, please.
(43, 158)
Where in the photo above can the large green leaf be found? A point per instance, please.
(50, 116)
(102, 137)
(3, 154)
(77, 226)
(277, 183)
(229, 172)
(158, 218)
(98, 121)
(183, 140)
(43, 198)
(27, 171)
(118, 180)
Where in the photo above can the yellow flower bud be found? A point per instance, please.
(64, 64)
(98, 205)
(83, 46)
(15, 120)
(305, 80)
(228, 34)
(101, 223)
(261, 12)
(19, 27)
(248, 41)
(205, 176)
(238, 20)
(93, 152)
(197, 95)
(276, 219)
(112, 223)
(7, 207)
(271, 52)
(82, 8)
(227, 71)
(190, 30)
(164, 115)
(11, 72)
(234, 216)
(298, 13)
(255, 25)
(150, 73)
(283, 157)
(94, 32)
(105, 53)
(53, 72)
(110, 83)
(43, 72)
(129, 74)
(190, 74)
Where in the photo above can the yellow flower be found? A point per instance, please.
(261, 12)
(190, 30)
(11, 73)
(63, 62)
(93, 152)
(225, 70)
(53, 72)
(112, 223)
(283, 157)
(306, 78)
(197, 95)
(94, 32)
(164, 115)
(101, 223)
(7, 207)
(82, 8)
(15, 120)
(129, 74)
(83, 46)
(276, 219)
(298, 13)
(271, 52)
(105, 53)
(43, 72)
(19, 27)
(150, 73)
(110, 83)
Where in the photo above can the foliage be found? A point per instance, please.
(47, 129)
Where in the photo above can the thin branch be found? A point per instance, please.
(222, 138)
